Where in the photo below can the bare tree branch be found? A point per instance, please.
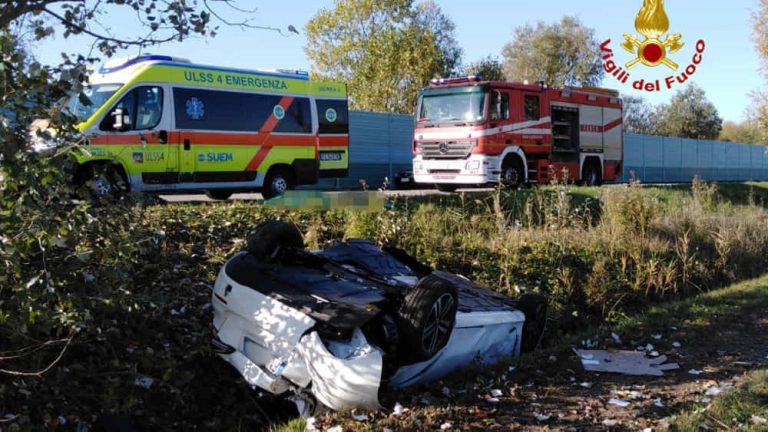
(47, 368)
(243, 24)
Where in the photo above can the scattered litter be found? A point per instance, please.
(759, 420)
(658, 403)
(676, 344)
(399, 409)
(674, 328)
(713, 391)
(624, 362)
(653, 353)
(704, 426)
(360, 417)
(586, 385)
(446, 392)
(618, 402)
(143, 381)
(695, 372)
(656, 336)
(496, 393)
(541, 417)
(609, 422)
(552, 359)
(706, 400)
(62, 420)
(446, 426)
(647, 430)
(616, 338)
(493, 400)
(649, 347)
(336, 428)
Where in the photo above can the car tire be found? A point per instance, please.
(218, 194)
(276, 183)
(107, 183)
(272, 240)
(534, 306)
(512, 174)
(426, 319)
(446, 187)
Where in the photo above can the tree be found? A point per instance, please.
(490, 68)
(430, 16)
(384, 50)
(743, 132)
(639, 115)
(560, 54)
(689, 115)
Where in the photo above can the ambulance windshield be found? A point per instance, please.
(91, 99)
(459, 106)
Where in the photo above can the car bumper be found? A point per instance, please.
(477, 169)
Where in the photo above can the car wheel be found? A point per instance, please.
(446, 187)
(107, 183)
(512, 174)
(272, 240)
(534, 306)
(277, 182)
(218, 194)
(426, 320)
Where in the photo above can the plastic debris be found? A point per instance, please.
(759, 420)
(497, 393)
(624, 362)
(360, 417)
(493, 400)
(713, 391)
(586, 385)
(657, 336)
(143, 381)
(446, 426)
(398, 409)
(653, 353)
(618, 402)
(616, 338)
(610, 422)
(446, 392)
(695, 372)
(658, 403)
(541, 417)
(676, 344)
(649, 347)
(336, 428)
(647, 430)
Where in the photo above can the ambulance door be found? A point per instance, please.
(189, 111)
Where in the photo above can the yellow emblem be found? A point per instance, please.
(652, 22)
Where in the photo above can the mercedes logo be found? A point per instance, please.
(443, 148)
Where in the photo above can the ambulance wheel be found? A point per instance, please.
(512, 172)
(277, 182)
(218, 194)
(534, 307)
(446, 187)
(272, 240)
(107, 182)
(426, 319)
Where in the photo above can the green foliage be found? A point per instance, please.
(384, 50)
(689, 114)
(745, 132)
(489, 67)
(560, 54)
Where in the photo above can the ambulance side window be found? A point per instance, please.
(499, 105)
(333, 116)
(531, 107)
(142, 109)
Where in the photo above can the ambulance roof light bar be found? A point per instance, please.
(456, 80)
(120, 63)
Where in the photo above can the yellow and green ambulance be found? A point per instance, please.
(162, 124)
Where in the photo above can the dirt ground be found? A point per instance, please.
(719, 337)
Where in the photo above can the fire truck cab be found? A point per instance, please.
(474, 132)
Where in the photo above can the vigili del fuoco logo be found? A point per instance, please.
(653, 48)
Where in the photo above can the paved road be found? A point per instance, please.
(257, 196)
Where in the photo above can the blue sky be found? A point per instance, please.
(728, 73)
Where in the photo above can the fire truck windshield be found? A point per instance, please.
(460, 107)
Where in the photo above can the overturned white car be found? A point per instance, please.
(345, 324)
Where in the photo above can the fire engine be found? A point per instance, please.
(474, 132)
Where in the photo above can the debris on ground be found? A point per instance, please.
(759, 420)
(624, 362)
(695, 372)
(618, 402)
(676, 344)
(541, 417)
(610, 422)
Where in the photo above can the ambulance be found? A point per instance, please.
(474, 132)
(162, 124)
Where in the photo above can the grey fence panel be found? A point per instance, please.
(381, 145)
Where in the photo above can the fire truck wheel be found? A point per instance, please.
(277, 182)
(426, 319)
(534, 306)
(218, 194)
(512, 172)
(446, 187)
(591, 175)
(271, 240)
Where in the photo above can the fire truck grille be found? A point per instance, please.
(445, 149)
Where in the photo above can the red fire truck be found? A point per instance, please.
(474, 132)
